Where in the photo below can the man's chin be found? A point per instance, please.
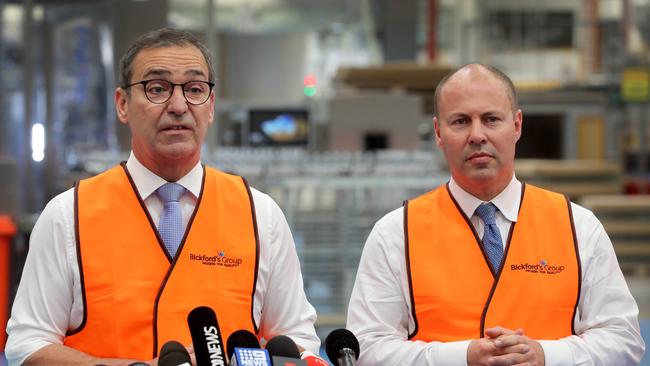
(482, 174)
(178, 151)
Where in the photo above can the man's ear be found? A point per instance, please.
(212, 101)
(519, 120)
(121, 104)
(436, 128)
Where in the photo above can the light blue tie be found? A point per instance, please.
(492, 243)
(170, 226)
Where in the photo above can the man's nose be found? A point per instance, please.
(477, 132)
(177, 103)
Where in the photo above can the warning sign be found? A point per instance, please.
(635, 86)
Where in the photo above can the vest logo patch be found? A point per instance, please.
(221, 260)
(541, 267)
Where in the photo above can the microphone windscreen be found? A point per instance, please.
(173, 353)
(206, 336)
(282, 346)
(339, 339)
(242, 339)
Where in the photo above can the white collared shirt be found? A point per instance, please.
(507, 202)
(379, 312)
(49, 302)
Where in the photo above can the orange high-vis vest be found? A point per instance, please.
(135, 296)
(454, 293)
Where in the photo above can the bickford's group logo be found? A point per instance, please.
(541, 267)
(221, 260)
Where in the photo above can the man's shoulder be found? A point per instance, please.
(63, 199)
(391, 222)
(59, 210)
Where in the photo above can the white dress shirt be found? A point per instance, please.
(606, 321)
(49, 302)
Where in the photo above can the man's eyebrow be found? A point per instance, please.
(156, 73)
(492, 113)
(195, 72)
(163, 72)
(455, 115)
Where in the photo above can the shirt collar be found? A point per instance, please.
(146, 181)
(507, 201)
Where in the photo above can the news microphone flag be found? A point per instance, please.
(206, 337)
(241, 339)
(312, 359)
(250, 357)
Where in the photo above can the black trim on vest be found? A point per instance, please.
(577, 251)
(145, 210)
(407, 256)
(173, 263)
(81, 272)
(257, 252)
(469, 224)
(154, 326)
(503, 261)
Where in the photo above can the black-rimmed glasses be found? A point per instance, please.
(159, 91)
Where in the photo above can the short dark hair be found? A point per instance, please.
(507, 82)
(164, 37)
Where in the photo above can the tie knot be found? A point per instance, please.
(486, 212)
(170, 192)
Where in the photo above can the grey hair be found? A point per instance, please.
(164, 37)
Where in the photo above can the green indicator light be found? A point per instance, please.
(310, 91)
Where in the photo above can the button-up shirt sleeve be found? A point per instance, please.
(606, 324)
(379, 310)
(43, 309)
(379, 313)
(280, 303)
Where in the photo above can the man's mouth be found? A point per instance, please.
(479, 156)
(174, 128)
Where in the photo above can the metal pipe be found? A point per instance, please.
(212, 42)
(26, 204)
(432, 30)
(4, 123)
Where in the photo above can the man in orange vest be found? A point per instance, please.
(116, 264)
(487, 270)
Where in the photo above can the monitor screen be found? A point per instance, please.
(278, 127)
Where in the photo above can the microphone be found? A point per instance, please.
(284, 352)
(313, 359)
(244, 349)
(206, 337)
(241, 339)
(249, 357)
(342, 347)
(173, 353)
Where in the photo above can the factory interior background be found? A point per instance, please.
(327, 105)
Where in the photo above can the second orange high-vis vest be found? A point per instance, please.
(135, 296)
(454, 293)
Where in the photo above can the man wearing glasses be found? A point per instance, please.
(117, 263)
